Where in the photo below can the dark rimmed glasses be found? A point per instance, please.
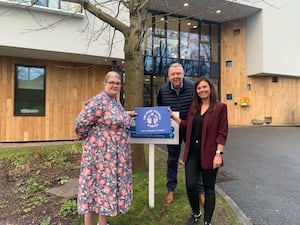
(112, 83)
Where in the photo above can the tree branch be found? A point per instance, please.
(125, 3)
(145, 3)
(118, 25)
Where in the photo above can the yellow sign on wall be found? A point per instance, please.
(245, 101)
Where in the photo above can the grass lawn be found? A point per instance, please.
(165, 214)
(139, 214)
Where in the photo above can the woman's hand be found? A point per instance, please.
(174, 117)
(217, 162)
(132, 113)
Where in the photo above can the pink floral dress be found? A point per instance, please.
(105, 180)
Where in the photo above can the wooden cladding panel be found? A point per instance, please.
(68, 87)
(232, 77)
(280, 100)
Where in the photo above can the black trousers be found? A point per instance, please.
(172, 165)
(193, 169)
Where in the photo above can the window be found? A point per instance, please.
(189, 40)
(169, 39)
(65, 5)
(59, 4)
(29, 90)
(193, 43)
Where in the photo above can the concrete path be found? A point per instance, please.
(265, 165)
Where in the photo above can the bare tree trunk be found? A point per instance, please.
(134, 67)
(134, 75)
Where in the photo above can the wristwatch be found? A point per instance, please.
(219, 152)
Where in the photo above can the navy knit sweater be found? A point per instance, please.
(178, 102)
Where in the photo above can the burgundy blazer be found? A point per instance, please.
(214, 131)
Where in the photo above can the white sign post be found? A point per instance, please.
(151, 175)
(172, 139)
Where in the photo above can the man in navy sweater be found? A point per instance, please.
(177, 93)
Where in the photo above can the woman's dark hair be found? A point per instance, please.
(197, 101)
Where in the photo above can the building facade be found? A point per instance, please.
(51, 62)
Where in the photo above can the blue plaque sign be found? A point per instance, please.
(153, 120)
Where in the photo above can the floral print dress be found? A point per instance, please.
(105, 180)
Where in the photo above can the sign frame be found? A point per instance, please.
(169, 139)
(172, 139)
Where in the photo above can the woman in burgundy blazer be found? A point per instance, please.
(206, 129)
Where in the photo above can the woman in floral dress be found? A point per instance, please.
(105, 180)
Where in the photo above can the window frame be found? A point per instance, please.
(60, 10)
(17, 98)
(60, 5)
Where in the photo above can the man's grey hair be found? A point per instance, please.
(176, 65)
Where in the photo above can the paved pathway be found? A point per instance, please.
(265, 161)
